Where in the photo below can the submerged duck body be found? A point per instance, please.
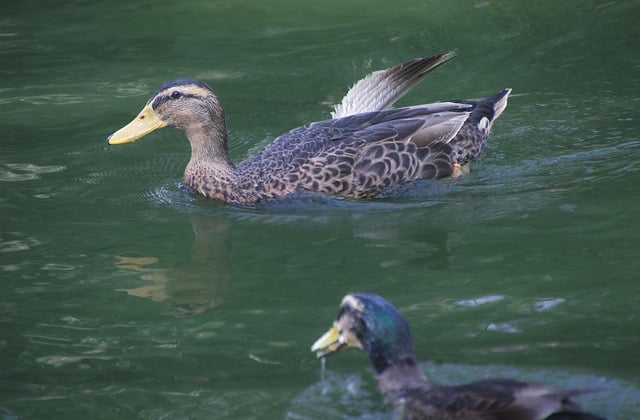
(363, 150)
(369, 322)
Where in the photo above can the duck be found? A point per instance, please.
(369, 322)
(366, 148)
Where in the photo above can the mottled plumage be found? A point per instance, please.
(365, 149)
(371, 323)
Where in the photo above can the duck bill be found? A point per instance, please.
(328, 343)
(146, 122)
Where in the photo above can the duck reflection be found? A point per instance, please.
(197, 285)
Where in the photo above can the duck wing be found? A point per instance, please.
(362, 154)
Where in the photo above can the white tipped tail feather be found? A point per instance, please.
(383, 88)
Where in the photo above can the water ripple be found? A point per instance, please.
(18, 245)
(483, 300)
(26, 171)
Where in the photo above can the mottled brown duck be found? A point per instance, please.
(369, 322)
(366, 147)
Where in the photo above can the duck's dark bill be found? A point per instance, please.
(328, 343)
(146, 122)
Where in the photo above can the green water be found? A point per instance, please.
(124, 296)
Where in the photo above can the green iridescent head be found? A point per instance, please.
(367, 321)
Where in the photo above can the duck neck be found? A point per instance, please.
(209, 144)
(395, 364)
(210, 170)
(399, 377)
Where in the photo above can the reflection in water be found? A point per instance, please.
(195, 286)
(430, 247)
(385, 225)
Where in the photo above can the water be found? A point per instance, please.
(125, 296)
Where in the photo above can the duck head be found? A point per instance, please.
(368, 322)
(186, 104)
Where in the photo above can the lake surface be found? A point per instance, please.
(125, 296)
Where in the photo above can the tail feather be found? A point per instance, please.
(500, 103)
(487, 110)
(383, 88)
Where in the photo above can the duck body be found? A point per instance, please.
(369, 322)
(365, 149)
(489, 399)
(361, 155)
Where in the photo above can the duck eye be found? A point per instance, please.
(175, 94)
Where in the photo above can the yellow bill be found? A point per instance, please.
(146, 122)
(328, 343)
